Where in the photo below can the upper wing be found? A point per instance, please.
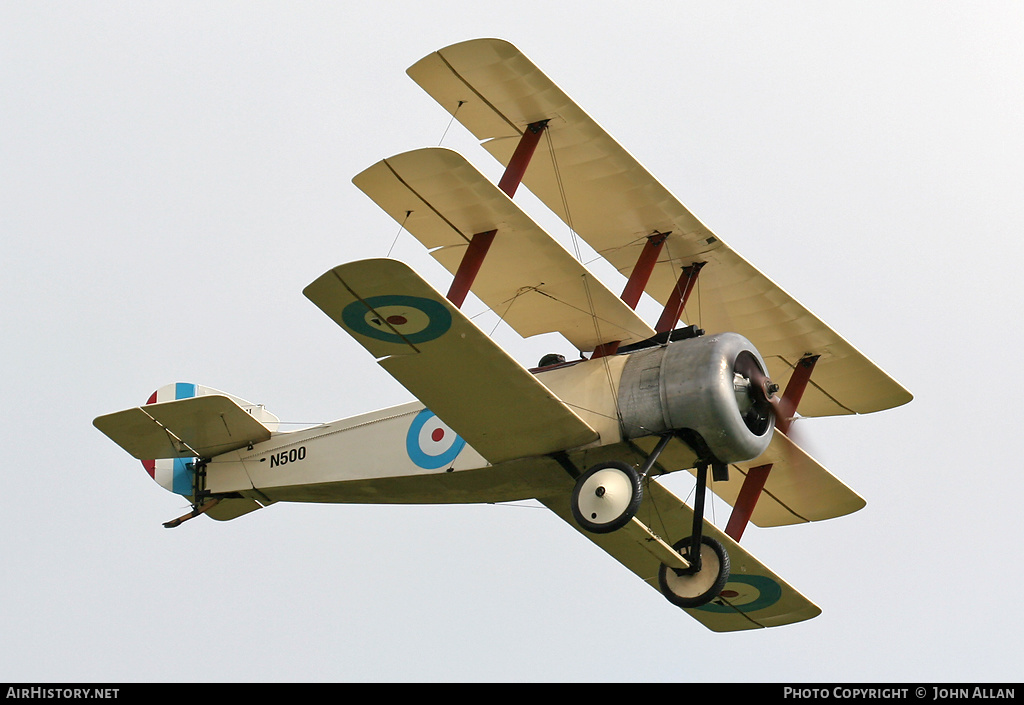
(754, 597)
(440, 356)
(528, 279)
(616, 204)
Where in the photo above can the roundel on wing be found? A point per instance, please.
(747, 593)
(430, 443)
(397, 318)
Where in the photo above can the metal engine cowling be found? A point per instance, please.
(701, 387)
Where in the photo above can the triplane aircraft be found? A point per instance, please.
(587, 438)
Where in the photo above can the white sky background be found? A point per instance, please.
(173, 174)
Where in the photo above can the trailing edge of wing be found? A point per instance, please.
(798, 489)
(448, 363)
(495, 91)
(528, 278)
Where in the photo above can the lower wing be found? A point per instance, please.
(753, 598)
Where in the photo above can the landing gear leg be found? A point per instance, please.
(708, 573)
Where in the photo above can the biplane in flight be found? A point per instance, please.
(588, 438)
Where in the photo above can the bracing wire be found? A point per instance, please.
(708, 501)
(445, 133)
(579, 258)
(401, 227)
(518, 505)
(668, 251)
(501, 317)
(696, 293)
(561, 194)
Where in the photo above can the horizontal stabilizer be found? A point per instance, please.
(528, 278)
(200, 427)
(754, 597)
(616, 204)
(500, 409)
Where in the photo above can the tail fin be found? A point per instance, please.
(180, 433)
(187, 390)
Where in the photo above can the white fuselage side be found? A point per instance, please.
(406, 454)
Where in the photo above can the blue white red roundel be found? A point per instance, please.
(430, 443)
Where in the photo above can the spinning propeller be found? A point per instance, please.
(755, 394)
(758, 395)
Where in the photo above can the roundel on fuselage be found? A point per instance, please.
(430, 443)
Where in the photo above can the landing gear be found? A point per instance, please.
(695, 570)
(606, 497)
(708, 573)
(703, 581)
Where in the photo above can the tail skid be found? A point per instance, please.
(201, 509)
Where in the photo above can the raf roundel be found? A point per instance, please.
(747, 593)
(398, 319)
(430, 443)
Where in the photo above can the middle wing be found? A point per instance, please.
(528, 279)
(798, 488)
(439, 355)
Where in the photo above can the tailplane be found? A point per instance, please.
(183, 425)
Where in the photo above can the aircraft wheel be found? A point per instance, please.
(606, 497)
(696, 588)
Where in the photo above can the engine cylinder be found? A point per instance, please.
(701, 388)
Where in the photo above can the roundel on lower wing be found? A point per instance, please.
(430, 443)
(398, 319)
(747, 593)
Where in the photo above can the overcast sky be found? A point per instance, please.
(172, 174)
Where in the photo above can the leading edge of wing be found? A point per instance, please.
(449, 364)
(527, 278)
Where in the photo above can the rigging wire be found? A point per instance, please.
(401, 227)
(676, 287)
(579, 258)
(517, 505)
(501, 317)
(445, 133)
